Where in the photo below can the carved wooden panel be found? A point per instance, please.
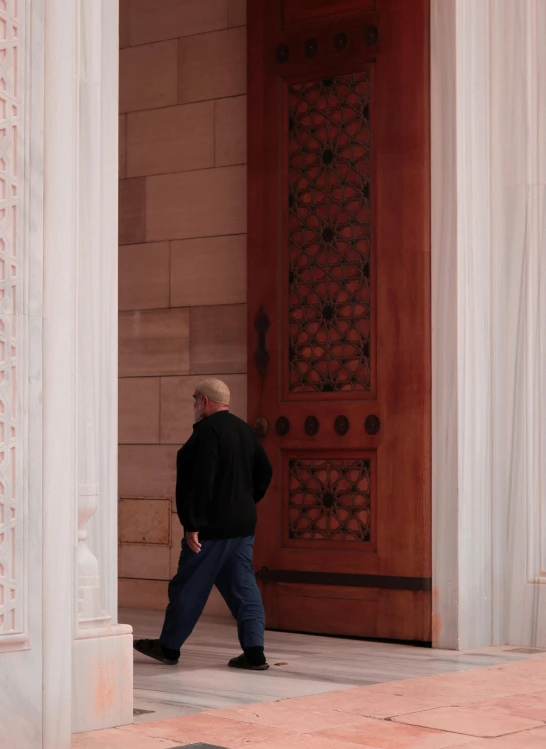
(11, 503)
(330, 499)
(329, 243)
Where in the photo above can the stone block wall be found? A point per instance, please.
(182, 256)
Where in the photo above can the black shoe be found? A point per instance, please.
(154, 649)
(242, 662)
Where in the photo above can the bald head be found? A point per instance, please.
(210, 395)
(215, 390)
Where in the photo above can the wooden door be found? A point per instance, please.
(339, 312)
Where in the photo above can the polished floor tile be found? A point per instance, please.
(387, 735)
(535, 739)
(301, 665)
(210, 729)
(117, 739)
(449, 689)
(293, 718)
(470, 721)
(532, 706)
(411, 713)
(307, 741)
(368, 703)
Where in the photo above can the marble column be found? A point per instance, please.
(102, 652)
(25, 529)
(488, 100)
(518, 322)
(461, 247)
(59, 337)
(69, 661)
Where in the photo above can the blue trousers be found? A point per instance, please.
(226, 563)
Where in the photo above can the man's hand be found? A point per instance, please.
(193, 542)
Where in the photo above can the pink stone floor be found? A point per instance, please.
(500, 707)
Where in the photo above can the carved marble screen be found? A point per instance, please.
(13, 510)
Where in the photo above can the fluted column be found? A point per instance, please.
(461, 376)
(102, 653)
(488, 67)
(90, 606)
(59, 335)
(67, 663)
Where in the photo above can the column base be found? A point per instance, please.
(102, 678)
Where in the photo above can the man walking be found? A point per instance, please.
(221, 473)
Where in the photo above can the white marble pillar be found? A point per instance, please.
(69, 662)
(102, 654)
(25, 531)
(488, 96)
(518, 221)
(461, 247)
(59, 338)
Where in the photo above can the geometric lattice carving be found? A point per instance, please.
(11, 546)
(329, 296)
(329, 499)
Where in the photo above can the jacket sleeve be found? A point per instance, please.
(262, 472)
(195, 482)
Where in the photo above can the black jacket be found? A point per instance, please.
(221, 473)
